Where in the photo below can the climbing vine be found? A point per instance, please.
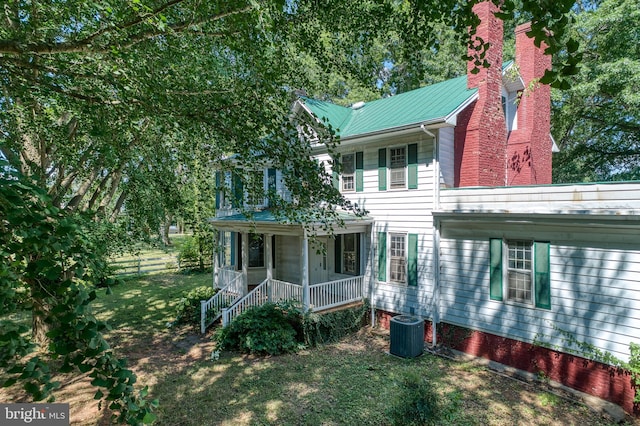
(586, 350)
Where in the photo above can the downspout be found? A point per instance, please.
(435, 302)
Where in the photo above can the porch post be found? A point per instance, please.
(305, 273)
(245, 263)
(216, 258)
(267, 247)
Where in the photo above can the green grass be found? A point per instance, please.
(353, 382)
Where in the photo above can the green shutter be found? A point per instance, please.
(382, 169)
(238, 191)
(495, 269)
(335, 180)
(338, 254)
(359, 171)
(542, 275)
(218, 189)
(382, 256)
(412, 166)
(412, 264)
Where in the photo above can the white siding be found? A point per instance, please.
(446, 155)
(288, 251)
(404, 211)
(595, 288)
(601, 198)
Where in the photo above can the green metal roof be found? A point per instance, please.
(267, 216)
(427, 104)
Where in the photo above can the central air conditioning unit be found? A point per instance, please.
(406, 336)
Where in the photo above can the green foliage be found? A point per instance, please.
(586, 350)
(634, 368)
(196, 253)
(596, 122)
(188, 308)
(416, 403)
(332, 326)
(48, 267)
(270, 329)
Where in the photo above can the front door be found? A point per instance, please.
(318, 261)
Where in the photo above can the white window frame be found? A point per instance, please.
(353, 254)
(404, 168)
(257, 200)
(348, 183)
(395, 260)
(518, 271)
(510, 109)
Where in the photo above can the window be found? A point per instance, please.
(520, 270)
(510, 109)
(401, 169)
(256, 251)
(256, 189)
(349, 254)
(348, 172)
(398, 261)
(398, 162)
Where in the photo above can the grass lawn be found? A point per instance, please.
(352, 382)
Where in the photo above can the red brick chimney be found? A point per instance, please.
(529, 145)
(480, 134)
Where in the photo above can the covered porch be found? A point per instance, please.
(260, 259)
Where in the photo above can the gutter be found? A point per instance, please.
(435, 301)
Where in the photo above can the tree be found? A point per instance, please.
(48, 264)
(597, 121)
(108, 107)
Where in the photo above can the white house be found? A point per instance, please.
(464, 228)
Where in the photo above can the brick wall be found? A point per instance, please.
(593, 378)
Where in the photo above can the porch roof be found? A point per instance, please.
(265, 221)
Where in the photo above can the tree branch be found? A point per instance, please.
(15, 47)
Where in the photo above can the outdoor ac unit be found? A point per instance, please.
(406, 336)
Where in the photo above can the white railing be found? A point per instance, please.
(228, 276)
(322, 296)
(335, 293)
(256, 297)
(281, 290)
(231, 290)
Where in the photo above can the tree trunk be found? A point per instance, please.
(39, 327)
(164, 232)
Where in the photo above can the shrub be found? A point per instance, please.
(332, 326)
(270, 329)
(417, 402)
(195, 254)
(188, 309)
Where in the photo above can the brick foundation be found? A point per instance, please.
(593, 378)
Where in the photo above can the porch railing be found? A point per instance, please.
(231, 291)
(335, 293)
(281, 290)
(321, 296)
(256, 297)
(228, 276)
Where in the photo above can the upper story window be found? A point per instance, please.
(398, 171)
(398, 167)
(348, 172)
